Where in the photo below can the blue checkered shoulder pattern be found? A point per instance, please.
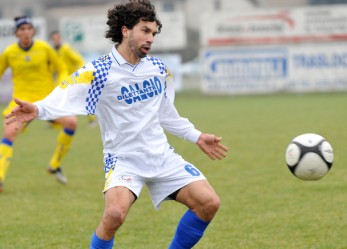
(158, 63)
(102, 67)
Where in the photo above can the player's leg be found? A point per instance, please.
(64, 141)
(54, 125)
(203, 203)
(123, 185)
(6, 149)
(118, 201)
(179, 180)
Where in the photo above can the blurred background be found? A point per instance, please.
(214, 46)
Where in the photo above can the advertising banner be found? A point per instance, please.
(86, 34)
(299, 68)
(273, 26)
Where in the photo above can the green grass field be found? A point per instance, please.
(263, 205)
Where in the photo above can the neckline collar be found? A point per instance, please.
(120, 59)
(26, 49)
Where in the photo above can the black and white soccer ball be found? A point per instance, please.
(309, 156)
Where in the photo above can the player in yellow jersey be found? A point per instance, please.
(72, 59)
(29, 61)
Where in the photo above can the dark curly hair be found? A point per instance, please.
(129, 14)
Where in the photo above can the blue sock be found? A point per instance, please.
(6, 141)
(69, 131)
(189, 231)
(98, 243)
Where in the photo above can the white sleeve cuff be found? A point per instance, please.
(40, 111)
(193, 135)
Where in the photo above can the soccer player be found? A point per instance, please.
(72, 59)
(32, 80)
(132, 97)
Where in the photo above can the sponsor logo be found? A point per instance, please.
(127, 179)
(141, 91)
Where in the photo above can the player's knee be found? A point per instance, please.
(114, 216)
(70, 123)
(214, 204)
(11, 134)
(210, 207)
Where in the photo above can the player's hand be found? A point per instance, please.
(22, 113)
(210, 145)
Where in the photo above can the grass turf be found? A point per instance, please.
(263, 205)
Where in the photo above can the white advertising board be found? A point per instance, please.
(264, 26)
(7, 31)
(299, 68)
(86, 34)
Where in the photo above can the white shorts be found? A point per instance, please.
(163, 175)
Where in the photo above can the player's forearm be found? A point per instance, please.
(193, 135)
(182, 128)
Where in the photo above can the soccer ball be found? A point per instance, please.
(309, 156)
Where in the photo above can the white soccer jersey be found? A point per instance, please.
(133, 104)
